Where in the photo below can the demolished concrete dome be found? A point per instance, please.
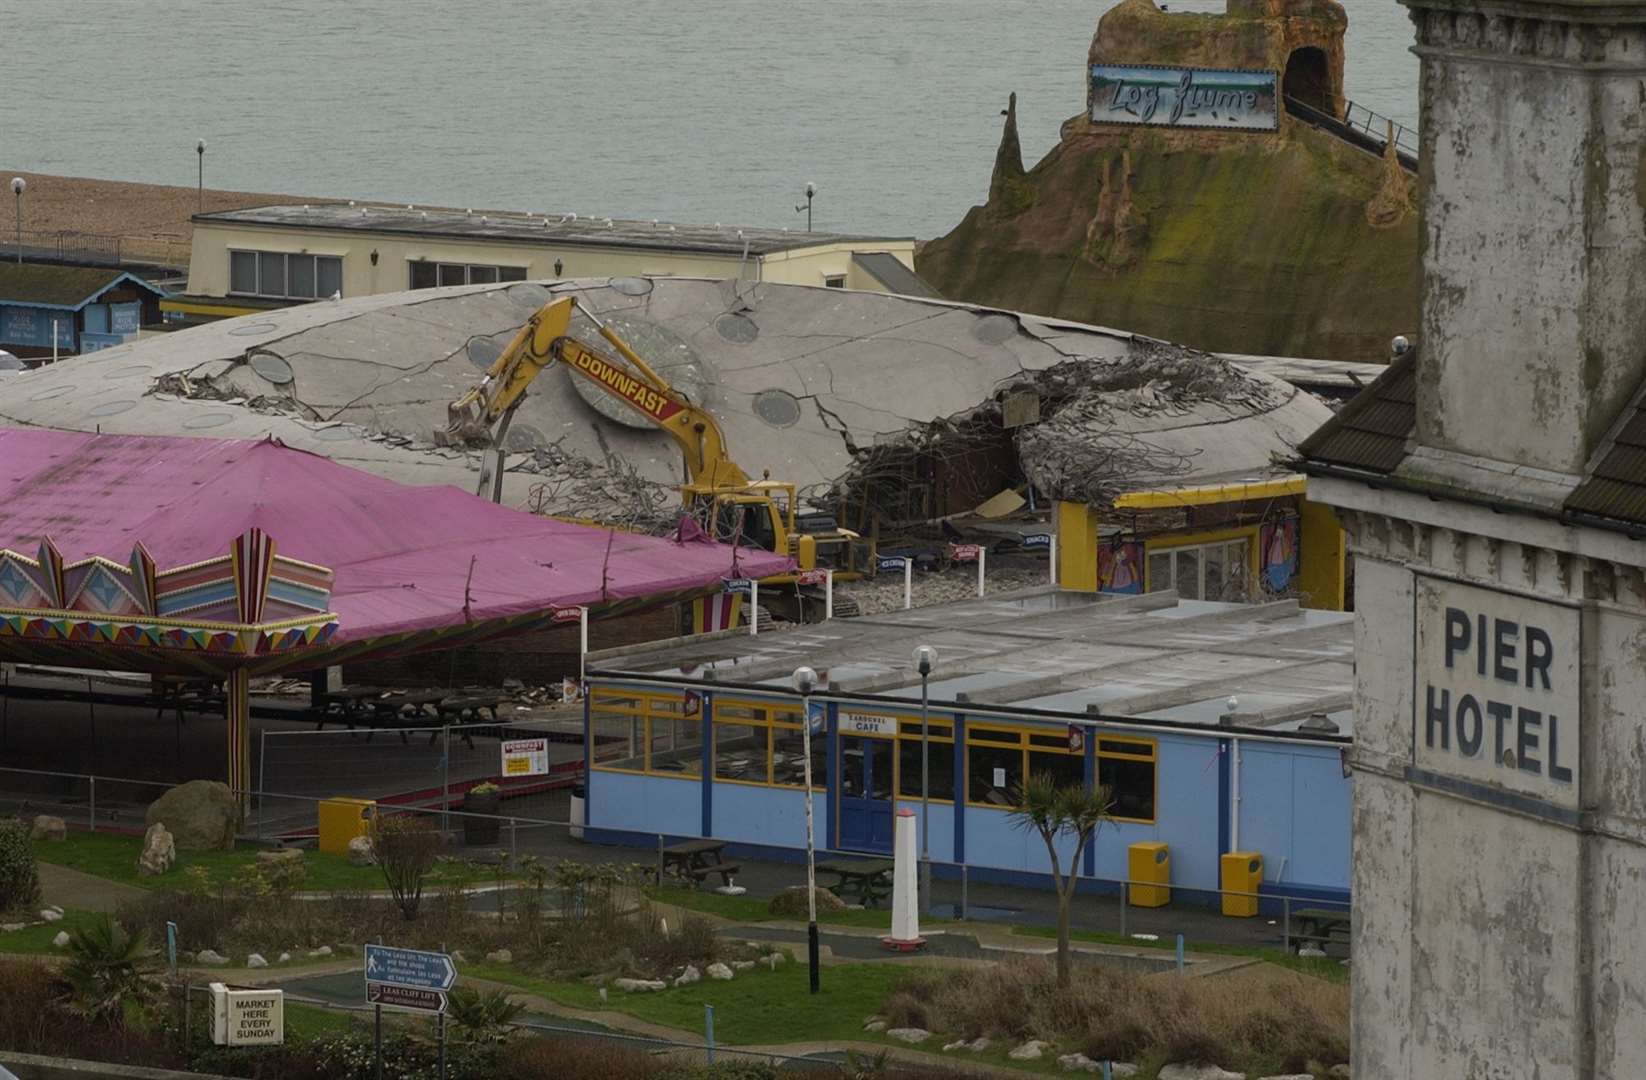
(802, 380)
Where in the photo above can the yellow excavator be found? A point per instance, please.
(760, 513)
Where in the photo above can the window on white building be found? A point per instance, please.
(285, 276)
(835, 281)
(426, 275)
(1220, 571)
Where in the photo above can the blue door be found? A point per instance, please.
(865, 793)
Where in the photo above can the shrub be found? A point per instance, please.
(482, 1016)
(106, 970)
(904, 1009)
(19, 878)
(586, 1059)
(406, 850)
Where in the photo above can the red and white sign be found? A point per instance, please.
(525, 757)
(568, 614)
(965, 552)
(812, 577)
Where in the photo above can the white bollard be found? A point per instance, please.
(908, 582)
(982, 553)
(1051, 567)
(828, 594)
(754, 607)
(905, 935)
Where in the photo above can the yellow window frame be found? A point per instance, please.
(908, 731)
(1023, 745)
(1150, 753)
(651, 706)
(758, 714)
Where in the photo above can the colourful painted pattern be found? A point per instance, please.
(249, 603)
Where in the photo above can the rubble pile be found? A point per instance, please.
(612, 492)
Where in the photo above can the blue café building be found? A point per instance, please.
(1217, 727)
(45, 307)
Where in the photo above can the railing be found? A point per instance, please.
(1376, 125)
(1361, 126)
(66, 245)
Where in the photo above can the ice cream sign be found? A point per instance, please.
(1497, 692)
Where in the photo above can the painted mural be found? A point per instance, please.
(1277, 556)
(1120, 568)
(1184, 97)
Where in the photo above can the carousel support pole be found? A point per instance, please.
(237, 708)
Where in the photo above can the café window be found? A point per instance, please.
(998, 759)
(1219, 571)
(427, 275)
(285, 276)
(1127, 768)
(660, 734)
(761, 743)
(939, 751)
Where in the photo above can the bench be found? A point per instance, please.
(1320, 926)
(697, 860)
(869, 880)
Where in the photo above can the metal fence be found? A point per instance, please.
(1377, 126)
(61, 245)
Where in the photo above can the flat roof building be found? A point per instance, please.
(1218, 728)
(272, 256)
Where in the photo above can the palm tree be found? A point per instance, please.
(1054, 812)
(106, 968)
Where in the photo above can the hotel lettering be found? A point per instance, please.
(1497, 691)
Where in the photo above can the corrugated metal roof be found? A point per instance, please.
(1372, 430)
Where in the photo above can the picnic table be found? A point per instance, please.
(869, 880)
(455, 708)
(1321, 926)
(183, 692)
(697, 860)
(350, 705)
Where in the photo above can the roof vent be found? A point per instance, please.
(1094, 709)
(1319, 722)
(962, 696)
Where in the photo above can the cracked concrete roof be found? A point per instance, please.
(794, 374)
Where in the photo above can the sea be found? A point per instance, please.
(683, 110)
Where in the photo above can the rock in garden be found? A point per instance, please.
(874, 1023)
(280, 857)
(979, 1044)
(458, 957)
(210, 956)
(958, 1044)
(324, 950)
(1311, 950)
(742, 965)
(46, 827)
(1198, 1072)
(1122, 1068)
(201, 815)
(775, 959)
(1032, 1050)
(640, 985)
(1076, 1063)
(1290, 1076)
(689, 976)
(283, 958)
(914, 1036)
(360, 852)
(501, 956)
(255, 960)
(62, 939)
(718, 971)
(7, 928)
(50, 916)
(792, 902)
(159, 851)
(1338, 1072)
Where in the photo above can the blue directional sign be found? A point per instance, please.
(410, 967)
(737, 585)
(890, 563)
(1038, 540)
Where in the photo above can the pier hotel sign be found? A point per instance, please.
(1185, 97)
(1497, 696)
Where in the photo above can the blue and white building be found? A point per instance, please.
(1217, 728)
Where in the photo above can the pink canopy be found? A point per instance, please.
(402, 555)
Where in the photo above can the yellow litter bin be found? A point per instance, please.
(1149, 867)
(1241, 873)
(341, 820)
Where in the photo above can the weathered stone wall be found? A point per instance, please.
(1534, 226)
(1493, 941)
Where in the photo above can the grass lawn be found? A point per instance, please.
(37, 939)
(312, 1021)
(757, 1008)
(114, 856)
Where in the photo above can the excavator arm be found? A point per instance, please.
(482, 414)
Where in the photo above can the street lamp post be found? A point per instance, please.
(925, 660)
(18, 186)
(200, 181)
(811, 193)
(805, 681)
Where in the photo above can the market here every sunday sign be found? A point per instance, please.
(1185, 97)
(1498, 691)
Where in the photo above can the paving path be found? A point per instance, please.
(74, 890)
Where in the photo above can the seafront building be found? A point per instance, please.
(261, 258)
